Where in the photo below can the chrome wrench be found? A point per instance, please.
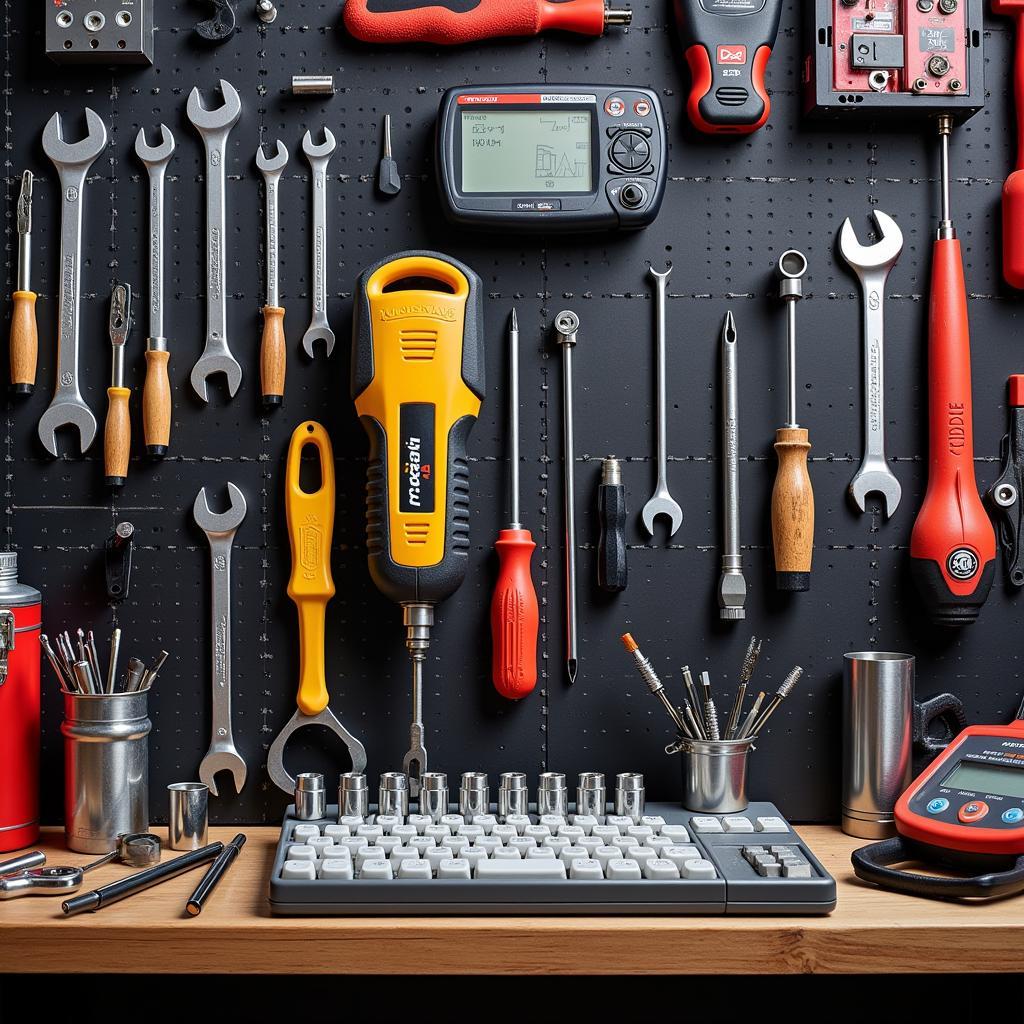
(871, 264)
(214, 126)
(72, 159)
(220, 529)
(319, 157)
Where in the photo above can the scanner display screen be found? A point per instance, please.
(977, 777)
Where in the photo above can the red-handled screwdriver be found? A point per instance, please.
(427, 21)
(514, 615)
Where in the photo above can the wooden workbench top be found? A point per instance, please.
(869, 932)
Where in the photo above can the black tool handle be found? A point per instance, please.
(946, 706)
(611, 547)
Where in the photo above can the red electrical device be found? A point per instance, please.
(20, 625)
(1013, 187)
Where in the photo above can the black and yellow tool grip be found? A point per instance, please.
(417, 383)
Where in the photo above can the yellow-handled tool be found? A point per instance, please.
(310, 516)
(24, 333)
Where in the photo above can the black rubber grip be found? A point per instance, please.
(611, 547)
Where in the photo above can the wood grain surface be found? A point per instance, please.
(869, 932)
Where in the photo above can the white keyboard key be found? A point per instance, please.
(299, 869)
(487, 843)
(453, 821)
(505, 853)
(352, 820)
(769, 869)
(658, 843)
(641, 854)
(501, 868)
(585, 869)
(522, 843)
(404, 833)
(486, 822)
(518, 821)
(452, 868)
(639, 832)
(337, 869)
(437, 832)
(414, 869)
(320, 844)
(604, 855)
(585, 822)
(737, 823)
(470, 831)
(370, 832)
(556, 843)
(623, 843)
(387, 822)
(337, 832)
(553, 822)
(543, 852)
(571, 832)
(679, 855)
(455, 843)
(660, 870)
(436, 855)
(376, 869)
(472, 856)
(705, 823)
(677, 833)
(367, 854)
(698, 869)
(795, 869)
(770, 824)
(403, 853)
(421, 843)
(388, 843)
(420, 822)
(353, 843)
(305, 831)
(571, 853)
(590, 843)
(300, 851)
(537, 832)
(623, 870)
(654, 821)
(620, 821)
(605, 833)
(504, 832)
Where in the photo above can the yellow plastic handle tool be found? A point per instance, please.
(310, 528)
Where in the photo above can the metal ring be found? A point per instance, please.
(138, 849)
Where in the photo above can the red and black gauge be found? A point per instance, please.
(727, 44)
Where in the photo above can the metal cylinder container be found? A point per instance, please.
(353, 795)
(434, 795)
(629, 795)
(474, 795)
(106, 768)
(552, 794)
(591, 795)
(393, 794)
(20, 615)
(310, 796)
(188, 815)
(513, 795)
(715, 774)
(878, 740)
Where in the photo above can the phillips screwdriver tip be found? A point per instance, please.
(514, 321)
(729, 329)
(570, 668)
(629, 643)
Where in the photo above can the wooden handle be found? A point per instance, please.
(792, 511)
(156, 403)
(24, 343)
(272, 356)
(117, 437)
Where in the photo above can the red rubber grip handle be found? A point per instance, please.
(515, 618)
(438, 24)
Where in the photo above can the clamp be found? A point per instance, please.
(1004, 496)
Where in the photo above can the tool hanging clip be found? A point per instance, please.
(1004, 496)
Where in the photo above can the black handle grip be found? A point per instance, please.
(611, 547)
(946, 706)
(871, 863)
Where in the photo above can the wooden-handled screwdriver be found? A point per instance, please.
(792, 497)
(24, 334)
(117, 433)
(273, 353)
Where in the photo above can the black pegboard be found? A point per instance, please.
(731, 207)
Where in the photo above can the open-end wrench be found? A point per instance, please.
(156, 392)
(214, 126)
(220, 529)
(871, 264)
(661, 503)
(72, 160)
(273, 350)
(319, 156)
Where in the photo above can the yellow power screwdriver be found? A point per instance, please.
(417, 382)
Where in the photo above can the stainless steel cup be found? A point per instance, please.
(878, 739)
(552, 794)
(513, 795)
(474, 795)
(353, 795)
(434, 795)
(393, 794)
(188, 815)
(591, 795)
(715, 774)
(310, 796)
(106, 768)
(629, 795)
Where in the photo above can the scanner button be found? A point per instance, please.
(973, 810)
(938, 805)
(1012, 815)
(614, 106)
(642, 108)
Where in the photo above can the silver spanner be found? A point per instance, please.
(871, 264)
(156, 401)
(72, 160)
(220, 529)
(319, 156)
(214, 126)
(661, 503)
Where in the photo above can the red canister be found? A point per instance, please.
(20, 625)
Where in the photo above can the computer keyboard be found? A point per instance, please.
(665, 861)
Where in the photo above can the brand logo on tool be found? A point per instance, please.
(956, 427)
(731, 54)
(436, 311)
(962, 564)
(416, 428)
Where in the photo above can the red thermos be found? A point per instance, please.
(20, 625)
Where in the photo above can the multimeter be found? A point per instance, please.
(551, 157)
(964, 812)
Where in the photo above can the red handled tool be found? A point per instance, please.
(727, 44)
(953, 545)
(450, 22)
(514, 614)
(1013, 187)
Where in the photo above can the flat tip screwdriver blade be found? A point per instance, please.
(389, 181)
(24, 214)
(514, 321)
(571, 667)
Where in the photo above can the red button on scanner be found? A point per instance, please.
(973, 810)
